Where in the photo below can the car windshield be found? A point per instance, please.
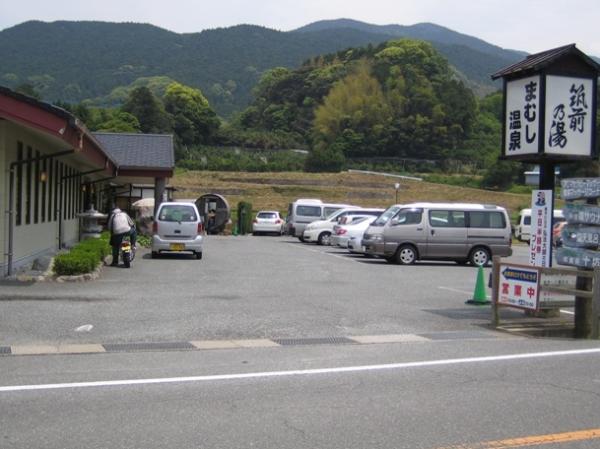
(385, 217)
(177, 213)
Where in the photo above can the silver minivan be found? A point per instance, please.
(440, 231)
(177, 227)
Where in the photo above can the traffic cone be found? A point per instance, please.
(479, 296)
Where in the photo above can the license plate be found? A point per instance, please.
(176, 247)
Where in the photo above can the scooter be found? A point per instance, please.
(127, 252)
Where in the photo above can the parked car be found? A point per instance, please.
(440, 231)
(268, 222)
(320, 231)
(523, 227)
(342, 233)
(304, 211)
(177, 227)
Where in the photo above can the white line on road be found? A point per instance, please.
(336, 255)
(567, 312)
(306, 372)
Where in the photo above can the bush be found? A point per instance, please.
(83, 257)
(244, 217)
(73, 263)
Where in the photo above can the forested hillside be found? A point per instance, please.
(102, 62)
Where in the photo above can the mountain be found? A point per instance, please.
(74, 61)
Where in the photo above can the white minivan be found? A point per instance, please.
(523, 227)
(304, 211)
(440, 231)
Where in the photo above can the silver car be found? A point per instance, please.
(177, 228)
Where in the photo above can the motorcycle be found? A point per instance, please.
(127, 252)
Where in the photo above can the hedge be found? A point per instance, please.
(83, 257)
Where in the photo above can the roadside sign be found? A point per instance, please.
(519, 286)
(540, 243)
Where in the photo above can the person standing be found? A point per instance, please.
(120, 224)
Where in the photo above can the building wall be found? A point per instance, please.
(36, 213)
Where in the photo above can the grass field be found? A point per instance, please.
(276, 190)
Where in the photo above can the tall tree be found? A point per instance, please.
(194, 121)
(354, 114)
(149, 111)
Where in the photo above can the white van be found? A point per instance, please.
(440, 231)
(304, 211)
(523, 227)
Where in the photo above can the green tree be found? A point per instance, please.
(149, 111)
(194, 121)
(354, 114)
(29, 90)
(120, 122)
(325, 158)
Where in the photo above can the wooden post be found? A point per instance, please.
(583, 309)
(495, 281)
(596, 305)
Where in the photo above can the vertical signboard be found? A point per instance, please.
(540, 243)
(519, 286)
(522, 116)
(569, 113)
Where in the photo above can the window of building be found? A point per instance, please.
(28, 182)
(36, 190)
(57, 175)
(19, 184)
(50, 185)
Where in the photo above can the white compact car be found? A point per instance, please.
(177, 228)
(320, 231)
(342, 234)
(268, 221)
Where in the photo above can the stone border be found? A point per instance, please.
(49, 276)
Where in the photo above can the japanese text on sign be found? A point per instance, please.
(519, 287)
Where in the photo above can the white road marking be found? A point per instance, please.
(84, 328)
(338, 256)
(305, 372)
(567, 312)
(455, 290)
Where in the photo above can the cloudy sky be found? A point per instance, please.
(528, 25)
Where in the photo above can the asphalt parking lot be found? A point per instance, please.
(247, 287)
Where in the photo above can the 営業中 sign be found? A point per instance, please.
(519, 286)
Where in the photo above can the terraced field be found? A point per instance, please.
(276, 190)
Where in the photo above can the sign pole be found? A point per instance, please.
(547, 182)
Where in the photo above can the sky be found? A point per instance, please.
(527, 25)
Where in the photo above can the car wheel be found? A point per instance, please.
(301, 239)
(324, 238)
(406, 255)
(480, 257)
(154, 255)
(199, 255)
